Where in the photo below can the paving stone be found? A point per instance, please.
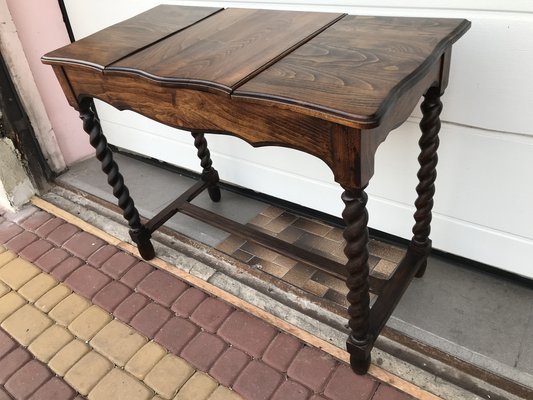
(54, 389)
(86, 373)
(312, 226)
(136, 274)
(169, 375)
(188, 301)
(87, 281)
(25, 324)
(3, 393)
(62, 233)
(118, 385)
(134, 303)
(20, 241)
(34, 221)
(317, 397)
(345, 385)
(150, 319)
(37, 286)
(8, 230)
(229, 365)
(35, 250)
(68, 356)
(48, 343)
(247, 333)
(257, 381)
(12, 362)
(49, 226)
(384, 268)
(89, 322)
(27, 379)
(145, 359)
(6, 343)
(175, 334)
(65, 268)
(100, 256)
(211, 314)
(53, 297)
(311, 367)
(291, 390)
(118, 264)
(6, 257)
(17, 272)
(9, 303)
(112, 295)
(385, 392)
(83, 244)
(4, 289)
(203, 350)
(162, 287)
(118, 342)
(69, 308)
(282, 351)
(48, 261)
(223, 393)
(198, 387)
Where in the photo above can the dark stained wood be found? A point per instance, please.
(226, 49)
(354, 69)
(329, 85)
(211, 112)
(113, 43)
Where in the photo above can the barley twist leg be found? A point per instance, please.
(209, 174)
(429, 142)
(139, 234)
(355, 216)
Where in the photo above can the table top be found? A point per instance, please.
(333, 66)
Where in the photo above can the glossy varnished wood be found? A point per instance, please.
(330, 85)
(226, 49)
(119, 40)
(357, 68)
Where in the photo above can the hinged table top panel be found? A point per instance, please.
(346, 69)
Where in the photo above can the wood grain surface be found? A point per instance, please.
(355, 68)
(350, 70)
(119, 40)
(226, 49)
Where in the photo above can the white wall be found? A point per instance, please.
(484, 201)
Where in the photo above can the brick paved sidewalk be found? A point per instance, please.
(80, 317)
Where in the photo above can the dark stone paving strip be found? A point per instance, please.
(23, 377)
(236, 348)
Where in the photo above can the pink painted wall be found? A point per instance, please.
(41, 29)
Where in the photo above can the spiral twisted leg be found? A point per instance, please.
(209, 174)
(355, 216)
(429, 142)
(139, 234)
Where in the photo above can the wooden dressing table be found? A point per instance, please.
(331, 85)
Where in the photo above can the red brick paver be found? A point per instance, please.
(258, 381)
(27, 379)
(150, 319)
(312, 368)
(247, 333)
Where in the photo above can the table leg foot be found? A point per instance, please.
(214, 193)
(209, 174)
(360, 357)
(141, 237)
(422, 270)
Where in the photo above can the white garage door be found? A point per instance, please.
(484, 201)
